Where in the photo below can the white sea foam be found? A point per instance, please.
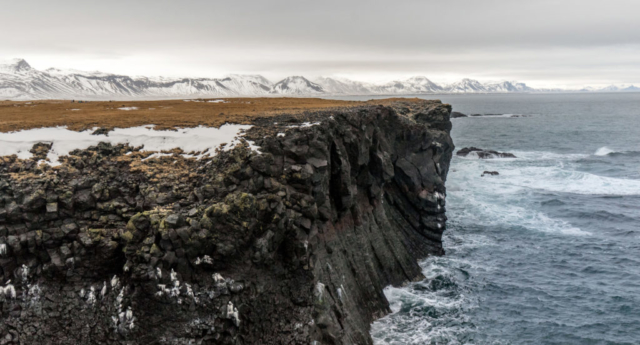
(603, 151)
(503, 200)
(423, 314)
(64, 141)
(571, 181)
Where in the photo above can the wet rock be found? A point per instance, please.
(491, 173)
(456, 114)
(484, 154)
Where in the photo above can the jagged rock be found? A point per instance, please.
(484, 154)
(492, 173)
(40, 150)
(101, 131)
(174, 220)
(291, 245)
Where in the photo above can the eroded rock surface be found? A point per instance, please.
(290, 245)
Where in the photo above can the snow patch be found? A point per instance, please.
(304, 125)
(197, 139)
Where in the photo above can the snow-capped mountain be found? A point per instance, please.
(619, 88)
(14, 66)
(465, 86)
(507, 86)
(18, 80)
(296, 86)
(414, 85)
(345, 86)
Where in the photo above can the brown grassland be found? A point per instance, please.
(164, 114)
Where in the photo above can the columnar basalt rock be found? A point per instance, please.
(289, 245)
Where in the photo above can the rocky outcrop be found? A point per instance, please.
(484, 154)
(456, 114)
(490, 173)
(289, 245)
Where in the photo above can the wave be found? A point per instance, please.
(605, 151)
(540, 171)
(501, 212)
(531, 156)
(561, 180)
(432, 311)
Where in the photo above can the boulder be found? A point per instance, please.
(492, 173)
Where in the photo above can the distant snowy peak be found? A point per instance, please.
(619, 88)
(466, 86)
(18, 80)
(507, 86)
(344, 86)
(296, 85)
(246, 84)
(70, 72)
(423, 83)
(14, 66)
(410, 86)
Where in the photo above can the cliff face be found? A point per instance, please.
(289, 245)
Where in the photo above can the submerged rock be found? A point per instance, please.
(492, 173)
(289, 245)
(484, 154)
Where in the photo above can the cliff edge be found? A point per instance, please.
(289, 243)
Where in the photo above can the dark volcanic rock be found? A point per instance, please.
(484, 154)
(456, 114)
(492, 173)
(292, 245)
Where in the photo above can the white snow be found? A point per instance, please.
(218, 101)
(304, 124)
(197, 139)
(158, 155)
(127, 108)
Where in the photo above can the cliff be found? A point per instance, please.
(291, 244)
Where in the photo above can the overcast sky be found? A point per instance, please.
(541, 42)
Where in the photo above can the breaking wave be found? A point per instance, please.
(605, 151)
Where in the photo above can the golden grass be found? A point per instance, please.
(164, 114)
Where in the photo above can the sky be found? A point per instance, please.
(561, 43)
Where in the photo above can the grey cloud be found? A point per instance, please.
(325, 37)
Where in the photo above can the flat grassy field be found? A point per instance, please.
(164, 114)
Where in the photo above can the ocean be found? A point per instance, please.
(547, 252)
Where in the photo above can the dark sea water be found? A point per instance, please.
(548, 252)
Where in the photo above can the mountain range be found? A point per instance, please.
(18, 80)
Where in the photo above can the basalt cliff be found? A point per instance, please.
(289, 244)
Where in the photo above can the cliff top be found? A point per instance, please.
(81, 115)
